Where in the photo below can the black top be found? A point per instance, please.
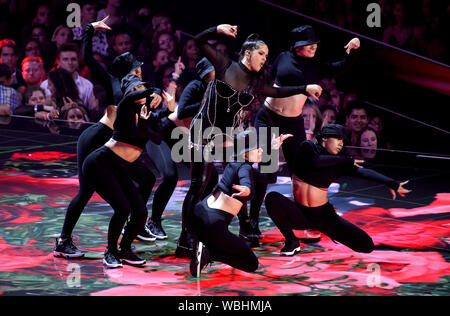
(110, 82)
(234, 87)
(127, 131)
(290, 69)
(236, 173)
(314, 165)
(191, 99)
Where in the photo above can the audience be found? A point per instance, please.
(47, 44)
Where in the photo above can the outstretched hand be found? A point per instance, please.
(353, 44)
(278, 141)
(227, 29)
(155, 101)
(401, 190)
(314, 90)
(243, 190)
(170, 101)
(101, 25)
(145, 114)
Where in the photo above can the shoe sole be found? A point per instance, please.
(145, 238)
(199, 257)
(58, 254)
(134, 263)
(159, 237)
(291, 253)
(112, 266)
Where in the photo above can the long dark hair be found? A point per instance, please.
(64, 85)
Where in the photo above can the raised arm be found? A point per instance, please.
(97, 70)
(338, 67)
(219, 61)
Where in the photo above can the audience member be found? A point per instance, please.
(356, 120)
(34, 105)
(63, 90)
(9, 56)
(33, 71)
(67, 59)
(312, 120)
(115, 12)
(9, 98)
(61, 36)
(166, 40)
(329, 115)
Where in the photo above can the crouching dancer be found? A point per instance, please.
(316, 167)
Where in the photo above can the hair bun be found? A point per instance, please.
(253, 37)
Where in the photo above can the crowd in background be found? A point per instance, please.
(420, 26)
(42, 72)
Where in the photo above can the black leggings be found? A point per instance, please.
(288, 215)
(211, 227)
(287, 125)
(110, 177)
(160, 157)
(91, 139)
(204, 177)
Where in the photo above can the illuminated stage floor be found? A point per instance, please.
(38, 179)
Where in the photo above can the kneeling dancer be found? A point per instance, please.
(316, 167)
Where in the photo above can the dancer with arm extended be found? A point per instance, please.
(97, 135)
(316, 167)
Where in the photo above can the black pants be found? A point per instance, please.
(161, 159)
(211, 227)
(288, 215)
(91, 139)
(110, 177)
(204, 177)
(287, 125)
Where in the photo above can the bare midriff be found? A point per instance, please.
(308, 195)
(289, 107)
(224, 202)
(125, 151)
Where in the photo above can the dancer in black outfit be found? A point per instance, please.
(96, 136)
(298, 66)
(107, 169)
(234, 88)
(316, 166)
(212, 216)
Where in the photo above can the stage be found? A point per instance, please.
(38, 178)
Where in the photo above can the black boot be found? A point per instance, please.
(185, 246)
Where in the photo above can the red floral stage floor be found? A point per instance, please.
(38, 179)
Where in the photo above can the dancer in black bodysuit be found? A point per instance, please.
(233, 89)
(212, 216)
(107, 169)
(316, 167)
(298, 66)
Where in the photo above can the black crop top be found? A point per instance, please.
(314, 165)
(289, 69)
(234, 87)
(236, 173)
(126, 130)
